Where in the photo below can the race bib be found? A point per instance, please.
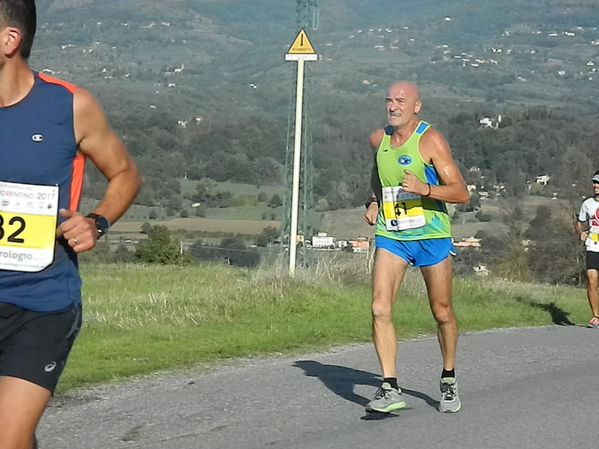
(402, 210)
(28, 215)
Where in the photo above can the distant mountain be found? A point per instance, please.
(539, 50)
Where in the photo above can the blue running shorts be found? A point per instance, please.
(420, 253)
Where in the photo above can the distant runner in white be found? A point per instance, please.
(589, 213)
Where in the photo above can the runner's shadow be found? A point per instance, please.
(558, 316)
(342, 381)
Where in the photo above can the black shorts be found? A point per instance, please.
(35, 345)
(592, 260)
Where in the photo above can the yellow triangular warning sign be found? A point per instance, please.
(301, 45)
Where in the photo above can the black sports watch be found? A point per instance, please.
(370, 201)
(102, 223)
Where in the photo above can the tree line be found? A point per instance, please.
(530, 141)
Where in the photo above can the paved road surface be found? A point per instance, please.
(520, 388)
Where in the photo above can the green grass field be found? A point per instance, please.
(247, 227)
(189, 187)
(143, 319)
(342, 223)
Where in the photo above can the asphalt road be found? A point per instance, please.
(520, 388)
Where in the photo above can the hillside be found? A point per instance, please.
(460, 48)
(199, 88)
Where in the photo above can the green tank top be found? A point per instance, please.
(404, 216)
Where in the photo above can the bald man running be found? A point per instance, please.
(414, 176)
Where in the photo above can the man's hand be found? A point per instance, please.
(412, 184)
(371, 213)
(79, 232)
(584, 235)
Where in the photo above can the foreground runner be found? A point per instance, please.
(589, 212)
(415, 175)
(47, 128)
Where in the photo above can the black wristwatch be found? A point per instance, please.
(102, 223)
(370, 201)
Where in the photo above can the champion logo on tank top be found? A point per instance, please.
(404, 160)
(37, 137)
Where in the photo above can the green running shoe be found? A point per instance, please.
(386, 399)
(450, 400)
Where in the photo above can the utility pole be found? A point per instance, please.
(307, 14)
(307, 17)
(301, 50)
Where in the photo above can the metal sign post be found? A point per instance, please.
(301, 50)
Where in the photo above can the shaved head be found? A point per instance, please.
(409, 89)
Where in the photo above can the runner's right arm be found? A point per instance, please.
(582, 235)
(372, 210)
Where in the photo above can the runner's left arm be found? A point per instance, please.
(435, 149)
(98, 142)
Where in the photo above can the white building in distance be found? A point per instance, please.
(323, 240)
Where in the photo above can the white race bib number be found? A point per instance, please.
(402, 210)
(28, 215)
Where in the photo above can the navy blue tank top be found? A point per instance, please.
(38, 146)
